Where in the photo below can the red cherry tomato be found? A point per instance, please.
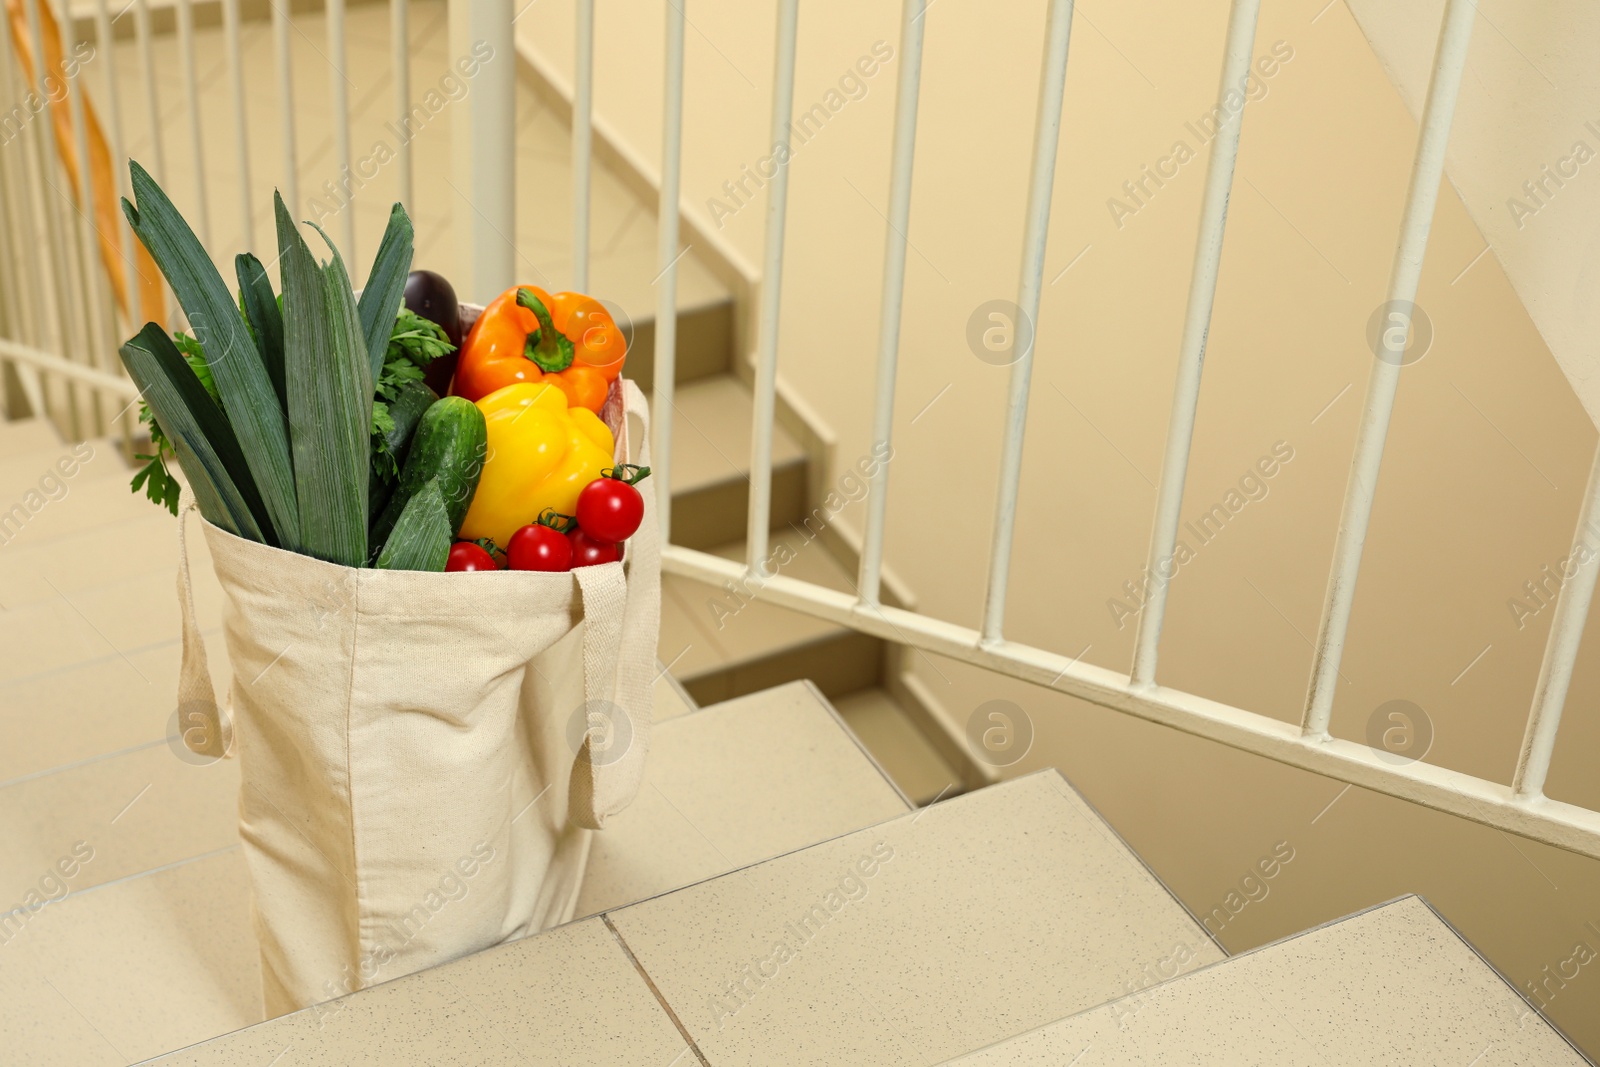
(610, 508)
(537, 547)
(466, 556)
(588, 551)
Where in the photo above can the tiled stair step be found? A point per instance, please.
(905, 943)
(704, 345)
(40, 466)
(1393, 986)
(725, 787)
(26, 435)
(711, 464)
(722, 647)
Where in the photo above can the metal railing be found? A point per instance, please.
(67, 363)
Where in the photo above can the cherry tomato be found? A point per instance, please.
(466, 556)
(610, 508)
(537, 547)
(586, 551)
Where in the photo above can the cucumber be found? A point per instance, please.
(406, 410)
(448, 447)
(421, 537)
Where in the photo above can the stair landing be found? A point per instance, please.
(1394, 985)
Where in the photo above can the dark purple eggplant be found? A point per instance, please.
(431, 296)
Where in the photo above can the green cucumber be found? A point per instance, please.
(406, 411)
(449, 447)
(421, 537)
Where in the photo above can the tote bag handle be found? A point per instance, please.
(622, 618)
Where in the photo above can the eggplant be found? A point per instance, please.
(431, 296)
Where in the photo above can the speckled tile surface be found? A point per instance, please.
(733, 784)
(122, 972)
(569, 996)
(915, 940)
(1391, 986)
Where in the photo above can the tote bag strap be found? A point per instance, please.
(622, 618)
(206, 731)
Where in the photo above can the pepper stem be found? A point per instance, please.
(546, 347)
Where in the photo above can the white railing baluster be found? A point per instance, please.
(666, 353)
(1426, 172)
(582, 143)
(98, 324)
(52, 190)
(341, 135)
(241, 127)
(191, 85)
(759, 517)
(485, 170)
(400, 62)
(1046, 137)
(870, 577)
(1196, 325)
(285, 61)
(1561, 648)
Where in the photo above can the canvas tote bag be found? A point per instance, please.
(423, 756)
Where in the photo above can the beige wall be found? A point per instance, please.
(1530, 114)
(1481, 483)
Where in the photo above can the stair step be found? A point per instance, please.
(704, 345)
(137, 810)
(924, 937)
(569, 996)
(56, 468)
(972, 921)
(1392, 985)
(711, 464)
(722, 645)
(725, 787)
(119, 973)
(115, 619)
(90, 504)
(885, 730)
(26, 435)
(730, 785)
(92, 710)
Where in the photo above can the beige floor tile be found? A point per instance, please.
(128, 971)
(95, 709)
(26, 435)
(136, 811)
(88, 558)
(1391, 986)
(1016, 898)
(711, 434)
(882, 726)
(670, 701)
(731, 785)
(57, 463)
(120, 617)
(569, 996)
(88, 505)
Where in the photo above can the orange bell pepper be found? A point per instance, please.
(568, 340)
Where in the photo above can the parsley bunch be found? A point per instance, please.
(414, 343)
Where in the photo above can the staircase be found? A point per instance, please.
(789, 798)
(1010, 923)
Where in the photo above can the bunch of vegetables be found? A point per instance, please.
(311, 420)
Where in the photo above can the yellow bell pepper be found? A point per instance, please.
(541, 454)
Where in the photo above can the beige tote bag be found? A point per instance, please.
(423, 756)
